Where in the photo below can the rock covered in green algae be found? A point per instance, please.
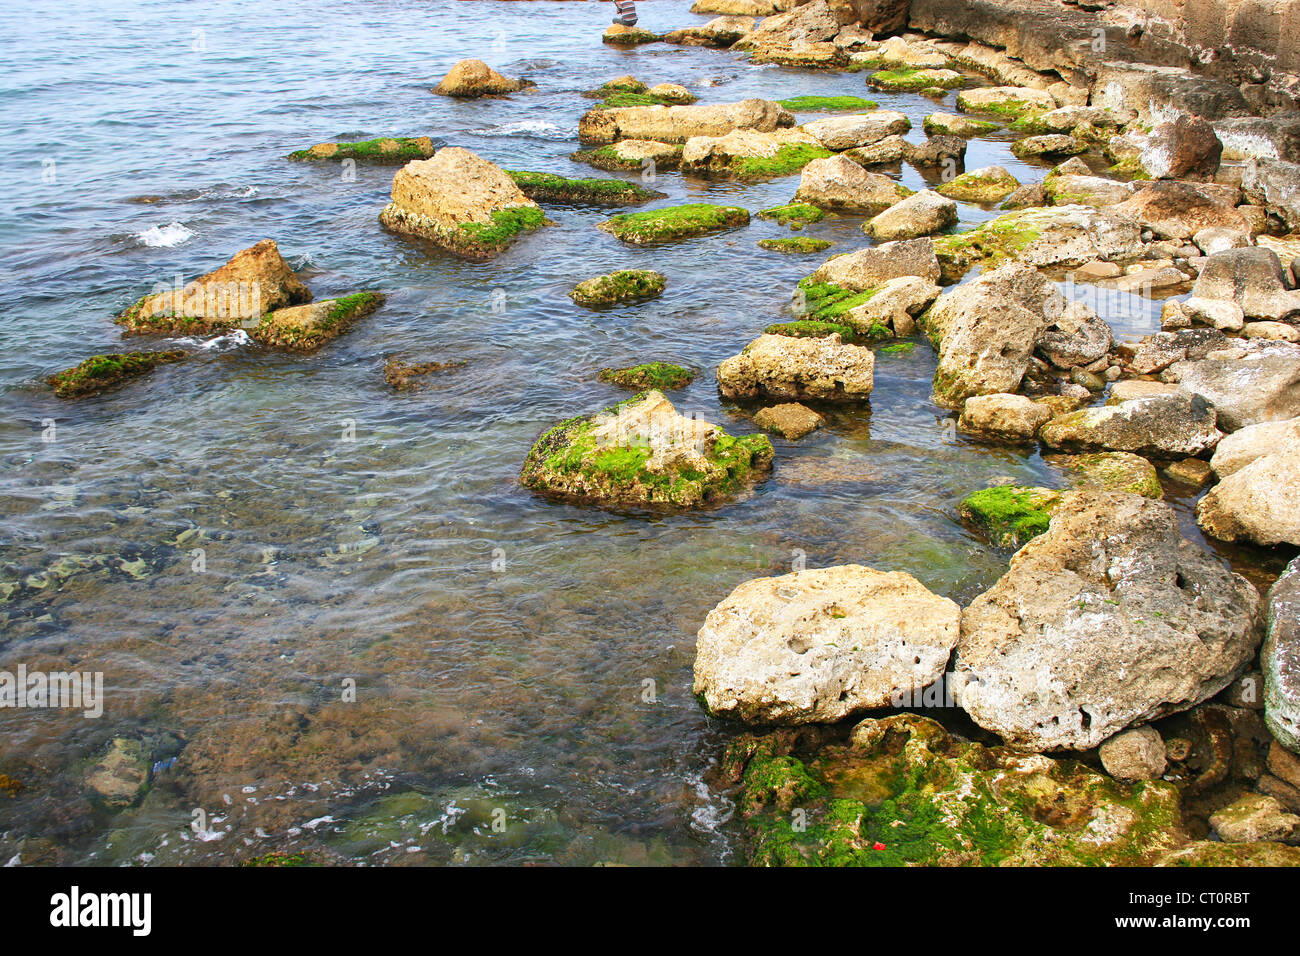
(989, 184)
(388, 150)
(750, 154)
(1213, 853)
(660, 375)
(1111, 471)
(797, 245)
(951, 124)
(1010, 515)
(303, 328)
(812, 329)
(120, 778)
(906, 80)
(674, 222)
(99, 373)
(626, 285)
(255, 281)
(632, 154)
(905, 792)
(548, 187)
(794, 214)
(643, 453)
(618, 35)
(460, 203)
(1012, 102)
(827, 104)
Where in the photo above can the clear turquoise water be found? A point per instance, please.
(525, 690)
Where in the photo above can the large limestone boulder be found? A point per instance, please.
(1243, 446)
(1084, 190)
(1009, 101)
(677, 124)
(1182, 148)
(643, 453)
(1178, 210)
(817, 646)
(870, 267)
(1259, 502)
(840, 184)
(802, 36)
(988, 184)
(1161, 426)
(718, 32)
(920, 214)
(1253, 278)
(857, 129)
(1246, 390)
(1280, 658)
(1275, 185)
(783, 366)
(254, 282)
(1109, 619)
(460, 203)
(473, 78)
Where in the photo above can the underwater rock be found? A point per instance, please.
(99, 373)
(626, 285)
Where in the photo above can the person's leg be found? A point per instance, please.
(626, 10)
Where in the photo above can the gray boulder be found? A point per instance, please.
(1280, 658)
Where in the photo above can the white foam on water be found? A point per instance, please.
(236, 338)
(538, 129)
(165, 237)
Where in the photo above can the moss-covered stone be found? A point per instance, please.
(948, 124)
(611, 159)
(627, 285)
(1111, 471)
(386, 151)
(548, 187)
(904, 792)
(812, 329)
(827, 301)
(795, 245)
(908, 79)
(408, 376)
(674, 223)
(276, 860)
(99, 373)
(641, 453)
(827, 104)
(1213, 853)
(899, 348)
(980, 185)
(794, 214)
(621, 84)
(478, 241)
(991, 243)
(302, 328)
(659, 375)
(620, 98)
(787, 160)
(1010, 515)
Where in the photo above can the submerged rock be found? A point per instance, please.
(120, 779)
(460, 203)
(548, 187)
(1256, 818)
(795, 245)
(1009, 515)
(1162, 426)
(905, 792)
(677, 124)
(254, 282)
(404, 376)
(781, 366)
(389, 150)
(303, 328)
(1111, 471)
(790, 420)
(674, 223)
(643, 453)
(632, 154)
(658, 375)
(627, 285)
(819, 645)
(468, 79)
(100, 373)
(1109, 619)
(952, 124)
(1280, 658)
(1002, 417)
(794, 214)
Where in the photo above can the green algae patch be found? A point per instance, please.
(304, 328)
(1213, 853)
(827, 301)
(659, 375)
(910, 80)
(992, 242)
(827, 104)
(621, 98)
(484, 240)
(627, 285)
(812, 329)
(980, 186)
(99, 373)
(787, 160)
(794, 214)
(386, 151)
(967, 128)
(641, 453)
(1111, 471)
(1009, 515)
(795, 245)
(548, 187)
(674, 223)
(623, 84)
(904, 792)
(899, 348)
(610, 160)
(277, 860)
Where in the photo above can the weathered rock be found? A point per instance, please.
(1009, 101)
(817, 646)
(616, 34)
(1162, 426)
(663, 376)
(1085, 190)
(1066, 118)
(1243, 446)
(790, 420)
(1259, 502)
(1256, 818)
(1002, 417)
(385, 151)
(1280, 659)
(1177, 210)
(1183, 148)
(1253, 278)
(988, 184)
(936, 151)
(1077, 336)
(718, 32)
(1275, 185)
(632, 154)
(870, 267)
(626, 285)
(1109, 619)
(747, 153)
(1258, 387)
(643, 453)
(254, 282)
(1052, 236)
(1048, 144)
(895, 304)
(1222, 314)
(101, 373)
(674, 223)
(742, 8)
(550, 188)
(1110, 471)
(920, 214)
(909, 79)
(1134, 755)
(1193, 472)
(677, 124)
(304, 328)
(841, 184)
(857, 129)
(1156, 352)
(473, 78)
(1259, 137)
(888, 151)
(121, 777)
(953, 124)
(460, 203)
(1271, 331)
(1219, 854)
(781, 366)
(1213, 239)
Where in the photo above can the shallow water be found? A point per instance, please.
(516, 661)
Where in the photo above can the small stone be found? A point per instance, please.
(1256, 818)
(790, 420)
(1134, 755)
(1194, 472)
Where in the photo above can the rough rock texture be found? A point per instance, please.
(952, 124)
(101, 373)
(1243, 446)
(790, 420)
(121, 777)
(1247, 390)
(1134, 755)
(1163, 426)
(784, 150)
(472, 78)
(857, 129)
(819, 645)
(936, 150)
(895, 304)
(1078, 336)
(1011, 101)
(1085, 190)
(1259, 502)
(460, 203)
(718, 32)
(1002, 417)
(1053, 236)
(1110, 471)
(781, 366)
(1256, 818)
(870, 267)
(254, 282)
(920, 214)
(643, 453)
(1275, 185)
(1185, 147)
(840, 184)
(304, 328)
(677, 124)
(1177, 210)
(987, 184)
(626, 285)
(1110, 619)
(1280, 658)
(1253, 278)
